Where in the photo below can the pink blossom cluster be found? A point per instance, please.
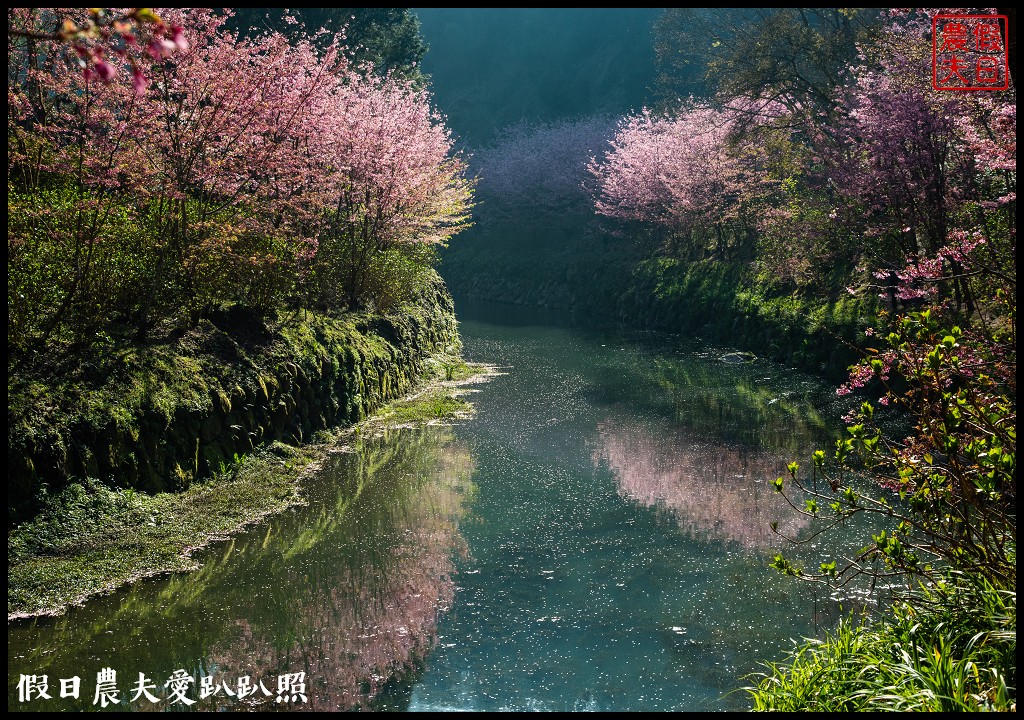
(919, 276)
(863, 373)
(674, 171)
(228, 123)
(102, 40)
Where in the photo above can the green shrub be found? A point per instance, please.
(952, 648)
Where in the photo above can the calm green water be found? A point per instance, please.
(594, 539)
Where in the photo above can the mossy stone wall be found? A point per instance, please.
(314, 373)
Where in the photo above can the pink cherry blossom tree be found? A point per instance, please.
(924, 169)
(223, 121)
(70, 158)
(676, 172)
(235, 162)
(934, 175)
(383, 186)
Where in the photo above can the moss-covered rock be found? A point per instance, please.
(159, 417)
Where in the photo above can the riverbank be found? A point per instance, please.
(603, 282)
(92, 539)
(161, 415)
(125, 457)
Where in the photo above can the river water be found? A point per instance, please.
(595, 538)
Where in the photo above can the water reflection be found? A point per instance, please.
(584, 595)
(714, 490)
(347, 590)
(755, 405)
(578, 590)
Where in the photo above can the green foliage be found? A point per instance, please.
(946, 500)
(89, 538)
(386, 39)
(817, 330)
(432, 405)
(126, 413)
(952, 649)
(79, 509)
(75, 261)
(349, 270)
(83, 263)
(798, 54)
(948, 490)
(452, 368)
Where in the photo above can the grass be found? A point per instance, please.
(455, 369)
(951, 649)
(431, 405)
(440, 399)
(90, 539)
